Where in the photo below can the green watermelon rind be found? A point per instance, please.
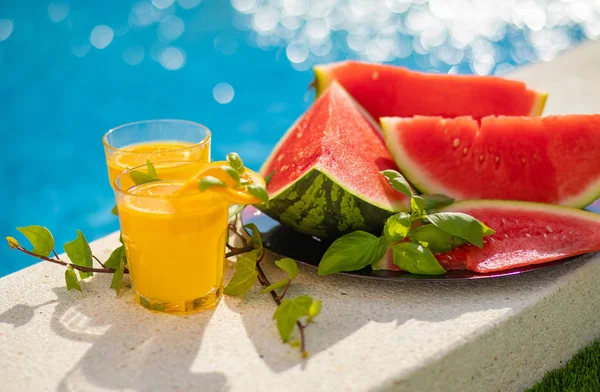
(428, 184)
(323, 79)
(318, 204)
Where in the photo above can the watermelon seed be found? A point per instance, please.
(523, 160)
(545, 235)
(497, 159)
(564, 237)
(528, 235)
(279, 158)
(503, 221)
(456, 142)
(492, 239)
(555, 237)
(516, 221)
(505, 235)
(549, 229)
(465, 150)
(375, 75)
(481, 158)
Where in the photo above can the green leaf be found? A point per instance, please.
(417, 206)
(275, 286)
(314, 310)
(236, 162)
(288, 265)
(151, 169)
(235, 209)
(235, 176)
(139, 177)
(434, 238)
(259, 192)
(256, 240)
(41, 239)
(116, 258)
(416, 259)
(397, 227)
(461, 225)
(79, 253)
(115, 210)
(12, 242)
(434, 202)
(398, 182)
(208, 182)
(245, 275)
(352, 252)
(117, 278)
(71, 279)
(289, 312)
(269, 177)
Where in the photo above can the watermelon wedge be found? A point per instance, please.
(390, 91)
(553, 160)
(526, 233)
(324, 172)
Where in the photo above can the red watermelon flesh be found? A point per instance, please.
(526, 234)
(386, 91)
(552, 159)
(326, 171)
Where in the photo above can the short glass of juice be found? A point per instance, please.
(175, 141)
(175, 245)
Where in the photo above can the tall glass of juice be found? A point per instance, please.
(185, 143)
(175, 244)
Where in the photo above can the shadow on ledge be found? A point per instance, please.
(131, 348)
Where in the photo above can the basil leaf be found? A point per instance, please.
(151, 169)
(41, 239)
(80, 254)
(235, 162)
(245, 275)
(269, 177)
(275, 286)
(235, 176)
(352, 252)
(416, 259)
(139, 177)
(208, 182)
(397, 227)
(314, 310)
(256, 240)
(398, 182)
(259, 192)
(115, 258)
(417, 206)
(71, 279)
(434, 202)
(461, 225)
(435, 239)
(288, 265)
(289, 312)
(117, 278)
(12, 242)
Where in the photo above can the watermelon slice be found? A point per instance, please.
(325, 171)
(526, 233)
(552, 160)
(386, 90)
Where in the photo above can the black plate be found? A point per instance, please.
(285, 242)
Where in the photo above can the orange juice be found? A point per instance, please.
(159, 151)
(175, 246)
(175, 234)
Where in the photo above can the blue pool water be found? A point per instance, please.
(70, 70)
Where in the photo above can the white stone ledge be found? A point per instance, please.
(499, 334)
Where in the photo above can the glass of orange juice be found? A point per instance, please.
(131, 145)
(174, 240)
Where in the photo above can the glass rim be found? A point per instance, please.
(166, 120)
(119, 189)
